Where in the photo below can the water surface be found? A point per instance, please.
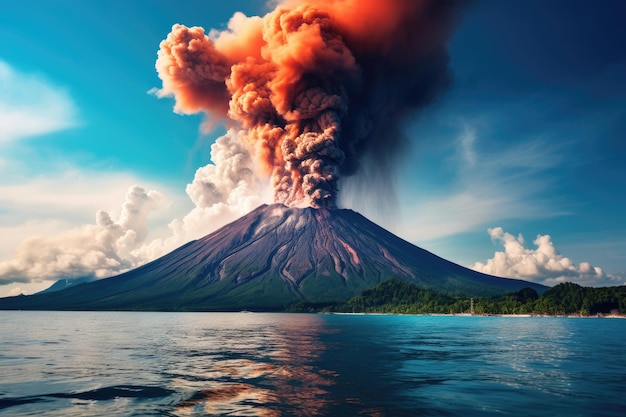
(249, 364)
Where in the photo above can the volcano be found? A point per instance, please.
(272, 257)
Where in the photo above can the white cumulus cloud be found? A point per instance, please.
(31, 106)
(544, 264)
(101, 249)
(220, 192)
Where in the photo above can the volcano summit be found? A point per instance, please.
(272, 257)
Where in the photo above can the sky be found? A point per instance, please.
(517, 169)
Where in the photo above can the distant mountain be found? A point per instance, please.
(269, 258)
(66, 283)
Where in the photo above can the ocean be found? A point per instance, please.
(257, 364)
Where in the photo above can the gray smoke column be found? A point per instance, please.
(321, 87)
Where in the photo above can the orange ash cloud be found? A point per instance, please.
(321, 87)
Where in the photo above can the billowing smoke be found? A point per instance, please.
(320, 87)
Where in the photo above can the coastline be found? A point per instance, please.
(562, 316)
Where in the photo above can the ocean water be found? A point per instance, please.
(250, 364)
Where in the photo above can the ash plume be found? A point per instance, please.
(320, 87)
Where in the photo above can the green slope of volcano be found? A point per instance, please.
(269, 258)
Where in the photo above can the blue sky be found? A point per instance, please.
(529, 140)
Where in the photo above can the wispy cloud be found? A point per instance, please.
(467, 140)
(70, 194)
(31, 106)
(488, 185)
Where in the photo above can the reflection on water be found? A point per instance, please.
(247, 365)
(238, 364)
(176, 364)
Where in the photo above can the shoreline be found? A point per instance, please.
(570, 316)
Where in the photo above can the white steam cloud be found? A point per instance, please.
(221, 192)
(99, 249)
(544, 265)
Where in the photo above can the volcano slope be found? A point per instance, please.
(268, 259)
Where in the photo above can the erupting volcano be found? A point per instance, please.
(318, 90)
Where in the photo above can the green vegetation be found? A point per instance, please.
(401, 297)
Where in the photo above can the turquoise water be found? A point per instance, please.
(249, 364)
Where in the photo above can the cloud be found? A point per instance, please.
(460, 212)
(101, 249)
(73, 191)
(31, 106)
(221, 192)
(467, 140)
(121, 238)
(544, 264)
(46, 206)
(15, 291)
(487, 185)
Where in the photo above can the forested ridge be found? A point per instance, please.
(402, 297)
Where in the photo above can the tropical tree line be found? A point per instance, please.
(402, 297)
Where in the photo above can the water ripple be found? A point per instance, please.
(189, 364)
